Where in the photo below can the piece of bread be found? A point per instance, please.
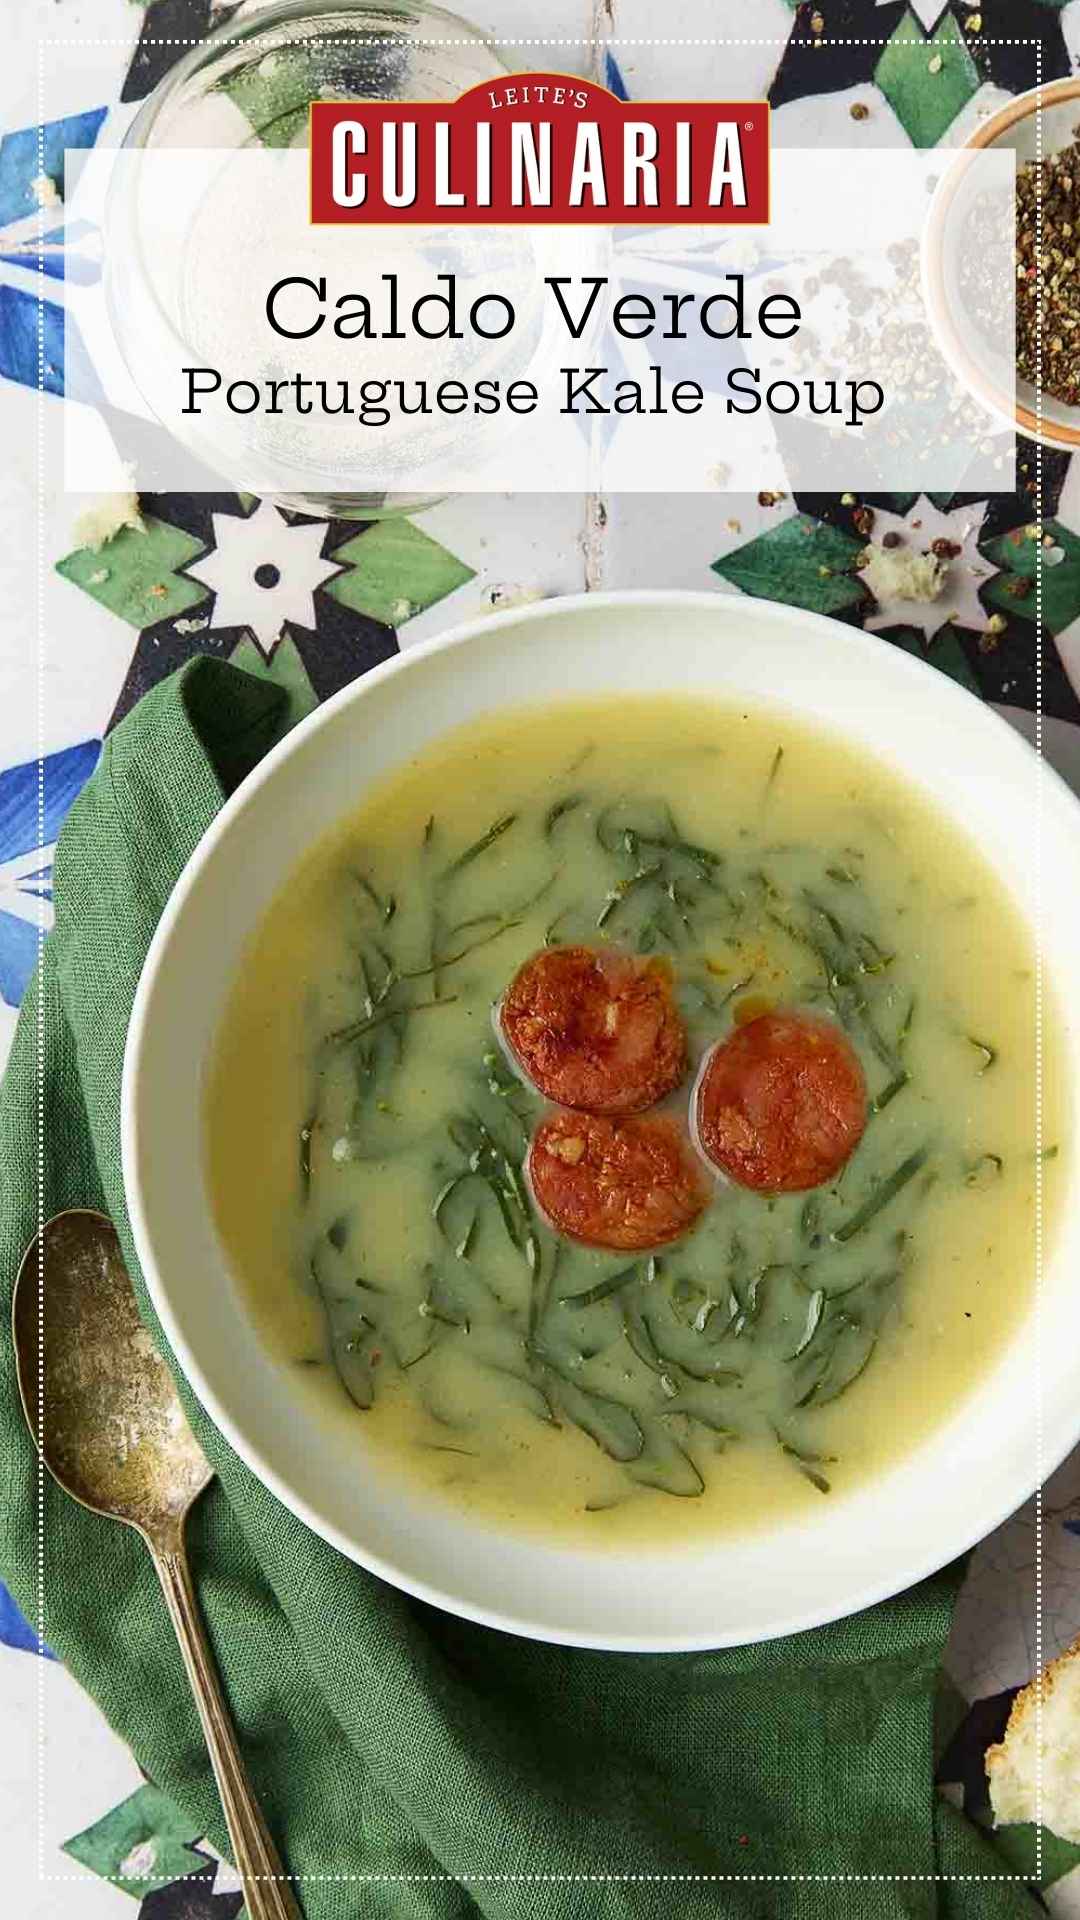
(1011, 1767)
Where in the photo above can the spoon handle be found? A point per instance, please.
(267, 1892)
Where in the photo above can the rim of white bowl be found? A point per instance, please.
(875, 1589)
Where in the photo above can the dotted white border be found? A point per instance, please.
(40, 1089)
(512, 40)
(594, 43)
(1039, 1170)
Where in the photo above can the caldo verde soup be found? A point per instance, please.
(626, 1122)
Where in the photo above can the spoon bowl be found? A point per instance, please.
(115, 1436)
(108, 1423)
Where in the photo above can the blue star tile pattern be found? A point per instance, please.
(23, 313)
(56, 254)
(613, 78)
(28, 157)
(17, 1632)
(19, 339)
(33, 802)
(22, 158)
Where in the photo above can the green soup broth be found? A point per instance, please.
(366, 1135)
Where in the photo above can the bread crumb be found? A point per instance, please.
(1014, 1767)
(899, 573)
(109, 515)
(511, 594)
(45, 191)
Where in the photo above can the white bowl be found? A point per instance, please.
(847, 1551)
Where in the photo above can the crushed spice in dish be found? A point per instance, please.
(1050, 297)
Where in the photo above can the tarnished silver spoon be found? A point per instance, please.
(106, 1417)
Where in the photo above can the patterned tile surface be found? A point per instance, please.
(312, 604)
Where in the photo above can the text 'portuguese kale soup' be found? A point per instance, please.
(625, 1124)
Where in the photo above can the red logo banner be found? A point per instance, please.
(540, 147)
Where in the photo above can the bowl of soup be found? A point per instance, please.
(612, 1180)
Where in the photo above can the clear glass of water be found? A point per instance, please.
(251, 85)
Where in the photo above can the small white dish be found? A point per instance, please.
(988, 370)
(845, 1552)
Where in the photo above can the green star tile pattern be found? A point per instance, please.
(944, 652)
(274, 94)
(803, 563)
(394, 572)
(1016, 554)
(136, 573)
(285, 669)
(925, 97)
(145, 1838)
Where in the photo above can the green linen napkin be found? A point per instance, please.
(411, 1764)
